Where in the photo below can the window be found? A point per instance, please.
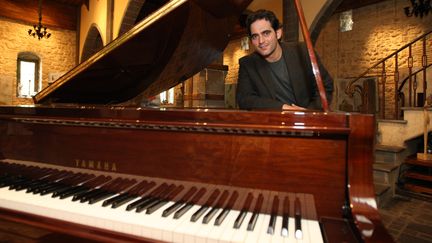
(28, 81)
(167, 97)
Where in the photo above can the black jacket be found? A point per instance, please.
(255, 87)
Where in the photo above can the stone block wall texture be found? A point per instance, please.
(378, 31)
(57, 54)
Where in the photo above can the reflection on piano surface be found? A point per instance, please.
(115, 173)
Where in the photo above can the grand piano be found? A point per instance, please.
(82, 161)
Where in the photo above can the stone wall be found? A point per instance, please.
(57, 55)
(378, 31)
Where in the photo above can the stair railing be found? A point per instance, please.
(383, 74)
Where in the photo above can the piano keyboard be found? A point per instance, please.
(164, 210)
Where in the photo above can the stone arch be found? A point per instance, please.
(323, 17)
(130, 16)
(137, 10)
(93, 43)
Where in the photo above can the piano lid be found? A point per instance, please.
(167, 47)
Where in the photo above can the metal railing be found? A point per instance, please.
(412, 58)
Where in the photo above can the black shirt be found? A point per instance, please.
(283, 87)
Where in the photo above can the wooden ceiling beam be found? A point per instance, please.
(54, 14)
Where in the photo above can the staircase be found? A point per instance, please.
(396, 141)
(395, 90)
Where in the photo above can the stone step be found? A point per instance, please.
(385, 173)
(389, 154)
(383, 194)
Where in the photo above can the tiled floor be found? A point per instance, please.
(408, 220)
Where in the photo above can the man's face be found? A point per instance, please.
(265, 39)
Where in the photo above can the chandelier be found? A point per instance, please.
(39, 30)
(418, 8)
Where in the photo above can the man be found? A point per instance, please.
(277, 75)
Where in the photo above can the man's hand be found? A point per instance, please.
(292, 107)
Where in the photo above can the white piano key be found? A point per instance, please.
(186, 228)
(229, 230)
(166, 228)
(315, 234)
(204, 231)
(224, 229)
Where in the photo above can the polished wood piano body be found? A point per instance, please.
(328, 155)
(324, 157)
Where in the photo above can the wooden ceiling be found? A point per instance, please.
(64, 13)
(61, 14)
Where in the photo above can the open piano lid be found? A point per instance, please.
(167, 47)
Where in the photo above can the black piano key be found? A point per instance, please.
(65, 191)
(156, 198)
(297, 219)
(166, 198)
(75, 191)
(49, 189)
(178, 204)
(88, 195)
(272, 224)
(145, 200)
(100, 197)
(167, 212)
(143, 206)
(56, 190)
(17, 185)
(189, 205)
(208, 217)
(35, 186)
(198, 213)
(156, 206)
(256, 213)
(121, 201)
(252, 222)
(285, 220)
(285, 217)
(220, 218)
(210, 201)
(5, 180)
(135, 204)
(239, 220)
(183, 210)
(114, 199)
(130, 195)
(274, 212)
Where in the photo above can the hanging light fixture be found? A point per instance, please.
(39, 30)
(418, 8)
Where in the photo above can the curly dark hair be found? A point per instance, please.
(262, 14)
